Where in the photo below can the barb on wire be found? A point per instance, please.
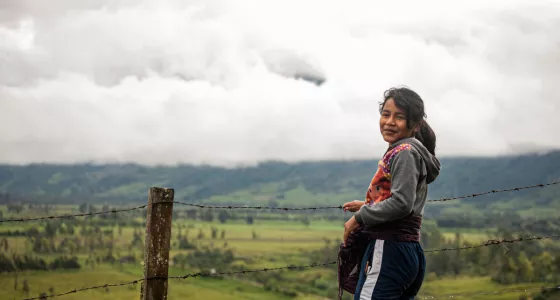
(86, 288)
(255, 207)
(496, 191)
(72, 216)
(492, 293)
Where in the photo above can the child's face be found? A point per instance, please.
(392, 123)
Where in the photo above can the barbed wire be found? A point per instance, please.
(86, 289)
(255, 207)
(113, 211)
(541, 185)
(492, 293)
(259, 207)
(340, 206)
(192, 275)
(291, 267)
(490, 242)
(497, 242)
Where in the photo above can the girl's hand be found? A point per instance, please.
(350, 226)
(353, 206)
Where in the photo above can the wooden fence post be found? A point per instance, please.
(156, 250)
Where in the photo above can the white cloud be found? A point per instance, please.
(210, 81)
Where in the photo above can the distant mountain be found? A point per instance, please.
(283, 184)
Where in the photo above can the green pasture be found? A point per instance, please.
(471, 286)
(214, 288)
(274, 244)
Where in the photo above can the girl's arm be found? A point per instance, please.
(405, 172)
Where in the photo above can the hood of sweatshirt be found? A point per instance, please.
(433, 164)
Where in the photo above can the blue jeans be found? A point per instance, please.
(391, 271)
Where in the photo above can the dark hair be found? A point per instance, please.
(413, 106)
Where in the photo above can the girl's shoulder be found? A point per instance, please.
(391, 153)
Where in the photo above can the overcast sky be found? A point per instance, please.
(213, 81)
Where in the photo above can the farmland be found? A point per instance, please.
(59, 255)
(109, 249)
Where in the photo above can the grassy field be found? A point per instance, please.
(199, 288)
(273, 244)
(211, 288)
(471, 286)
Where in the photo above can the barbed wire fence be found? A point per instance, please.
(159, 219)
(302, 267)
(113, 211)
(444, 296)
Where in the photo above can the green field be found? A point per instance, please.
(264, 243)
(210, 288)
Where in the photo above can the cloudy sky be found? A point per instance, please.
(214, 81)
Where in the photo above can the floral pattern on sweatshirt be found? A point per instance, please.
(380, 186)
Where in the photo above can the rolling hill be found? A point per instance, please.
(284, 184)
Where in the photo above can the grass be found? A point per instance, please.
(63, 281)
(211, 288)
(470, 235)
(473, 285)
(277, 244)
(296, 197)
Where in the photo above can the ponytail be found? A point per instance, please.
(426, 136)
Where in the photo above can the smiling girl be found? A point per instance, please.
(391, 260)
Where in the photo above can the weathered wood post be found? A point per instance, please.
(156, 250)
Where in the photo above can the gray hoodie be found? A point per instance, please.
(411, 172)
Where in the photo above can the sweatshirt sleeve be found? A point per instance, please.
(404, 180)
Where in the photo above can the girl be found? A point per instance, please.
(381, 257)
